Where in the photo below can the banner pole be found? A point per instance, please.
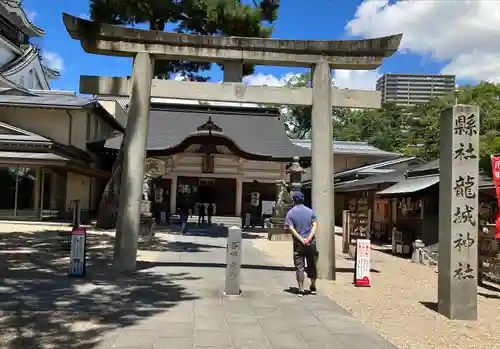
(495, 170)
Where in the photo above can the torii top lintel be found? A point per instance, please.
(112, 40)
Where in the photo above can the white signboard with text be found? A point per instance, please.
(362, 267)
(267, 207)
(77, 259)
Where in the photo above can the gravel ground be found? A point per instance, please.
(400, 303)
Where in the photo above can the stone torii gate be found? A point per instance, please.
(146, 46)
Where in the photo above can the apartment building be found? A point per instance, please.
(411, 89)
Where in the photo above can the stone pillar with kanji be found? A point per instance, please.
(458, 213)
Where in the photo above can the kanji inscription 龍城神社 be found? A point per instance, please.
(458, 212)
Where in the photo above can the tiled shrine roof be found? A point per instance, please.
(257, 132)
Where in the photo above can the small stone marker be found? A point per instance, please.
(233, 262)
(416, 257)
(458, 213)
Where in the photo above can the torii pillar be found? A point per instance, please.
(129, 207)
(322, 168)
(233, 52)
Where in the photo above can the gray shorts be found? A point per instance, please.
(305, 259)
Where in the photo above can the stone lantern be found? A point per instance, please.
(295, 171)
(284, 201)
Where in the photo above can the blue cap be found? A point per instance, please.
(297, 196)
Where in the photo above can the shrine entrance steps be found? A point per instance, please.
(218, 228)
(216, 221)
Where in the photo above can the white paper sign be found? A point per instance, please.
(362, 273)
(248, 218)
(267, 207)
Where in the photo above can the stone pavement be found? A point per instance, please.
(175, 301)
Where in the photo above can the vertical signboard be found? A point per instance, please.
(78, 252)
(458, 213)
(362, 266)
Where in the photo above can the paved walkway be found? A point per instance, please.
(174, 301)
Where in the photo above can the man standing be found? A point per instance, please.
(254, 203)
(184, 214)
(210, 212)
(301, 221)
(201, 213)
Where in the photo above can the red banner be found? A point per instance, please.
(495, 168)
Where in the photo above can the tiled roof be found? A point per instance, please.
(390, 178)
(9, 133)
(251, 130)
(56, 101)
(348, 147)
(15, 13)
(429, 166)
(31, 156)
(374, 166)
(27, 57)
(15, 140)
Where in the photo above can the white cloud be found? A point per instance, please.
(464, 33)
(260, 79)
(52, 60)
(179, 77)
(31, 15)
(356, 79)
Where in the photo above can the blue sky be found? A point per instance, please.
(319, 19)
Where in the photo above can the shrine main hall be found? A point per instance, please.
(221, 154)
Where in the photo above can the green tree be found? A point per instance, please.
(207, 17)
(423, 133)
(298, 117)
(411, 130)
(384, 128)
(425, 129)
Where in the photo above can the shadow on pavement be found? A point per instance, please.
(432, 306)
(175, 246)
(209, 231)
(388, 251)
(489, 295)
(490, 287)
(149, 265)
(144, 265)
(41, 307)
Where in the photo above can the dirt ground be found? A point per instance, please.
(401, 302)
